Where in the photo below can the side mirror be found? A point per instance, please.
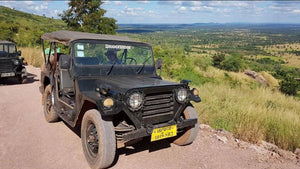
(159, 65)
(19, 53)
(64, 62)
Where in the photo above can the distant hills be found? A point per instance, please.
(26, 29)
(147, 28)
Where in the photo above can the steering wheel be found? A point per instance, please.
(131, 60)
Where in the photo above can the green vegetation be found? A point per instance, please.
(289, 85)
(25, 29)
(88, 16)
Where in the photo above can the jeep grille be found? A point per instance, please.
(6, 65)
(158, 105)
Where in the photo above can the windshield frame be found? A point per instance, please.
(8, 47)
(113, 42)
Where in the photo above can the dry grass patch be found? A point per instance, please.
(33, 56)
(251, 114)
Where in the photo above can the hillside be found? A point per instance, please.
(24, 28)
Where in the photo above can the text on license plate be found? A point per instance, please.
(7, 74)
(164, 132)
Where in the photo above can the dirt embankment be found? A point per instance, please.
(28, 141)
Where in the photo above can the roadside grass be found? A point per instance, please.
(32, 55)
(252, 112)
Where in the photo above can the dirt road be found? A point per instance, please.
(28, 141)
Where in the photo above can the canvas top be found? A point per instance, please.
(66, 37)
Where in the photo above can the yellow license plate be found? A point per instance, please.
(164, 132)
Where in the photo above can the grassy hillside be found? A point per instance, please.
(25, 29)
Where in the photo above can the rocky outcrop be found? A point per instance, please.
(259, 78)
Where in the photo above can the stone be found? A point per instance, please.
(223, 139)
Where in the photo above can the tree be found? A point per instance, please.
(88, 16)
(232, 63)
(289, 85)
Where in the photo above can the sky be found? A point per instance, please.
(178, 12)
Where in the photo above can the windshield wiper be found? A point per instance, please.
(112, 66)
(144, 63)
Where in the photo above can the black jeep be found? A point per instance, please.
(11, 66)
(108, 85)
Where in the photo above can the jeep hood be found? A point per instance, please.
(122, 83)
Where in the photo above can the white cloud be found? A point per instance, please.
(29, 3)
(296, 11)
(44, 6)
(202, 8)
(182, 9)
(131, 11)
(144, 2)
(230, 4)
(191, 3)
(106, 2)
(177, 3)
(195, 8)
(118, 3)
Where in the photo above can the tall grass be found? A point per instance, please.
(252, 114)
(33, 56)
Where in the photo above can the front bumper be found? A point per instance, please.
(143, 132)
(16, 72)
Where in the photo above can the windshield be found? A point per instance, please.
(87, 53)
(6, 49)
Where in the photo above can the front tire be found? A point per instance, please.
(49, 113)
(98, 140)
(22, 80)
(190, 134)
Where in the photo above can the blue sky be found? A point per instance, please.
(178, 11)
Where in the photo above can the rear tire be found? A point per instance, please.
(98, 140)
(49, 113)
(191, 133)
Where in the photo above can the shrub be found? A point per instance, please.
(217, 59)
(289, 85)
(232, 63)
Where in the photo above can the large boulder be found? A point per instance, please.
(259, 78)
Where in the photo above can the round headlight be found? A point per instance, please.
(16, 62)
(181, 95)
(135, 100)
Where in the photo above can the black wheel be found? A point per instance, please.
(191, 133)
(49, 113)
(98, 140)
(22, 80)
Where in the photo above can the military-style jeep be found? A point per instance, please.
(108, 86)
(11, 66)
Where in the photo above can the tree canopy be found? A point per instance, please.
(88, 16)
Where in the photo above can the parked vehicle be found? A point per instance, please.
(109, 86)
(11, 66)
